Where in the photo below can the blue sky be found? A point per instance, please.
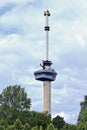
(22, 49)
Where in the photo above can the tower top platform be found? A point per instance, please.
(45, 75)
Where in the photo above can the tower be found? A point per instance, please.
(46, 74)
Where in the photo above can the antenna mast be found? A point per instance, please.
(47, 29)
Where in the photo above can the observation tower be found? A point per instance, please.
(46, 74)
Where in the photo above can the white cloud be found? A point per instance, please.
(81, 40)
(67, 116)
(64, 115)
(4, 3)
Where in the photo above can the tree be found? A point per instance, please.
(51, 127)
(82, 126)
(39, 119)
(41, 128)
(26, 127)
(15, 97)
(58, 122)
(18, 125)
(83, 112)
(35, 128)
(13, 101)
(69, 127)
(84, 115)
(10, 127)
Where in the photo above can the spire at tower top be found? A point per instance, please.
(47, 29)
(47, 13)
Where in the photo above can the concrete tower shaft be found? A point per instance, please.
(47, 96)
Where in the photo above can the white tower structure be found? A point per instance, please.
(46, 74)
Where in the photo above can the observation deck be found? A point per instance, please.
(47, 73)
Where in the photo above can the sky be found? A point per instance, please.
(22, 49)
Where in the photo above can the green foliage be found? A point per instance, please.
(26, 127)
(58, 122)
(18, 125)
(13, 101)
(2, 127)
(15, 97)
(51, 127)
(41, 128)
(69, 127)
(84, 116)
(83, 112)
(3, 123)
(82, 126)
(35, 128)
(10, 127)
(39, 119)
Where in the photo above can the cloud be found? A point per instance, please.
(67, 116)
(6, 8)
(62, 114)
(4, 3)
